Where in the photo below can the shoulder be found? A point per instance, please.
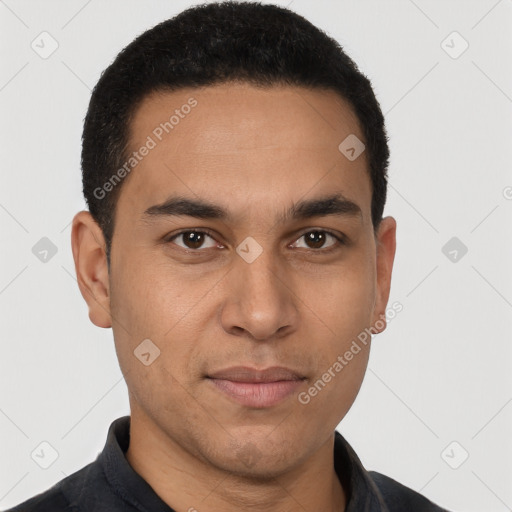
(52, 500)
(62, 496)
(400, 498)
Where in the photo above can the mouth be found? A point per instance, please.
(257, 388)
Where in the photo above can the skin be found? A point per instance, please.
(254, 152)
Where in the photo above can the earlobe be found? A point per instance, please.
(386, 248)
(88, 245)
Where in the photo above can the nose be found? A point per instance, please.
(260, 302)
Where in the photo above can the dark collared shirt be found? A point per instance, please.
(110, 484)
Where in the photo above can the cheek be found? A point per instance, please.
(147, 311)
(343, 305)
(338, 377)
(343, 300)
(152, 297)
(341, 359)
(152, 300)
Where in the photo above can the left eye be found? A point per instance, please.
(316, 239)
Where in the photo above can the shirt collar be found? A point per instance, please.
(123, 479)
(362, 493)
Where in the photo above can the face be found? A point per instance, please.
(278, 266)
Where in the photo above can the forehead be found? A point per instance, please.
(241, 145)
(227, 112)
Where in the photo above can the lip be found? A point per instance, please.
(248, 374)
(257, 388)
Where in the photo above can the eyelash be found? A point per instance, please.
(340, 239)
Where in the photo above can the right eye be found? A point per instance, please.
(192, 239)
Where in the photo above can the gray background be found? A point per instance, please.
(440, 373)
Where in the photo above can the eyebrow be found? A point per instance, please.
(335, 204)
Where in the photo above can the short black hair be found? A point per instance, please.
(207, 44)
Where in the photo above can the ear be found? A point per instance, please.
(91, 268)
(386, 246)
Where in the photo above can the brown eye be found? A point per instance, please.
(193, 239)
(317, 238)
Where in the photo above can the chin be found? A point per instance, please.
(262, 471)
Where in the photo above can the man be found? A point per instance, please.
(234, 164)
